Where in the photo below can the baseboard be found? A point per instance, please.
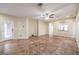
(43, 34)
(64, 36)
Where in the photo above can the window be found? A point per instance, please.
(63, 27)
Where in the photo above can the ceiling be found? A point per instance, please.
(60, 10)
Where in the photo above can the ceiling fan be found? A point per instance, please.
(51, 15)
(40, 4)
(46, 14)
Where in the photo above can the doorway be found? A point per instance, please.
(50, 29)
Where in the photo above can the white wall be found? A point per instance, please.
(19, 26)
(77, 28)
(23, 27)
(42, 28)
(1, 27)
(50, 29)
(33, 27)
(71, 28)
(27, 28)
(4, 19)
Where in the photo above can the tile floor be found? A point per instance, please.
(43, 45)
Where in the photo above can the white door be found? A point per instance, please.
(8, 28)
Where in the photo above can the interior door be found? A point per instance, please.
(8, 30)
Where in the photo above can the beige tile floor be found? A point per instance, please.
(43, 45)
